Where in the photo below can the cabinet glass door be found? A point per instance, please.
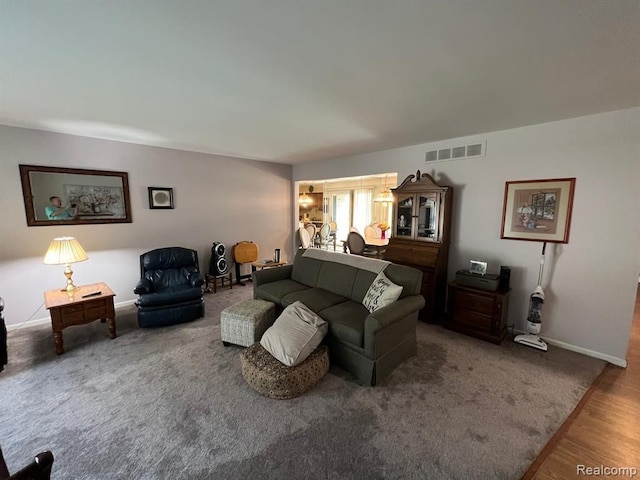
(404, 220)
(427, 216)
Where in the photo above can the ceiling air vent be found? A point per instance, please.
(457, 153)
(475, 150)
(432, 156)
(444, 154)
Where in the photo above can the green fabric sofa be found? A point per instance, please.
(369, 345)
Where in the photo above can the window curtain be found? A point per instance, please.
(362, 208)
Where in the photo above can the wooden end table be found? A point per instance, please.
(76, 310)
(262, 265)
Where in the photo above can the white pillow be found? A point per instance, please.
(381, 293)
(295, 334)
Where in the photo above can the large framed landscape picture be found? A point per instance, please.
(538, 210)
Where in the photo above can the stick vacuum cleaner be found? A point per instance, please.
(534, 321)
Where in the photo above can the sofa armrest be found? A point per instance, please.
(143, 286)
(268, 275)
(389, 326)
(386, 316)
(196, 280)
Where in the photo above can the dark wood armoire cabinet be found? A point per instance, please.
(420, 237)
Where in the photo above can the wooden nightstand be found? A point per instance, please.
(66, 311)
(478, 313)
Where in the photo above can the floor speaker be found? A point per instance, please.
(505, 278)
(218, 264)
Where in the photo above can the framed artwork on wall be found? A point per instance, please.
(538, 210)
(74, 196)
(160, 197)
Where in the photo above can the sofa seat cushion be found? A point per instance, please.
(170, 296)
(276, 291)
(346, 322)
(317, 299)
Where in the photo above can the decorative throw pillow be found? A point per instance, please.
(381, 293)
(295, 334)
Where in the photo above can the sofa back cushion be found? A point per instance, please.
(408, 277)
(306, 270)
(349, 281)
(361, 285)
(337, 278)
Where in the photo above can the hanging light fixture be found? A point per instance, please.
(385, 196)
(305, 200)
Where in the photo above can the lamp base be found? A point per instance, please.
(70, 288)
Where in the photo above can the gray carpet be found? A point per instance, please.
(171, 403)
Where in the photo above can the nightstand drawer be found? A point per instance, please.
(96, 312)
(472, 301)
(472, 318)
(73, 318)
(73, 308)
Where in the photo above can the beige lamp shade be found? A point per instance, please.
(65, 250)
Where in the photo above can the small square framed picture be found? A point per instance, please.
(160, 197)
(478, 267)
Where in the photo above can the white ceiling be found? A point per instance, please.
(296, 80)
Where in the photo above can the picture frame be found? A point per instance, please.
(477, 267)
(84, 196)
(160, 197)
(538, 210)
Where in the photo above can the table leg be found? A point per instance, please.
(57, 336)
(238, 281)
(112, 327)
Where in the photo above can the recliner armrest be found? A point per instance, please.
(196, 279)
(143, 286)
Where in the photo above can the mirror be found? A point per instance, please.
(74, 196)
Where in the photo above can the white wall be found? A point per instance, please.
(590, 282)
(216, 199)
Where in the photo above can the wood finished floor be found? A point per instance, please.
(605, 427)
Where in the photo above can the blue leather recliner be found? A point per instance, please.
(170, 287)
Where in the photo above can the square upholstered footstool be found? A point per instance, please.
(245, 322)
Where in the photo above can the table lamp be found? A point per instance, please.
(65, 251)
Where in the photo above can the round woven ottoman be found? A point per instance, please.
(268, 376)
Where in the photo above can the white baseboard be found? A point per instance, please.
(620, 362)
(47, 320)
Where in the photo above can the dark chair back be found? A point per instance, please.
(39, 469)
(168, 267)
(355, 243)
